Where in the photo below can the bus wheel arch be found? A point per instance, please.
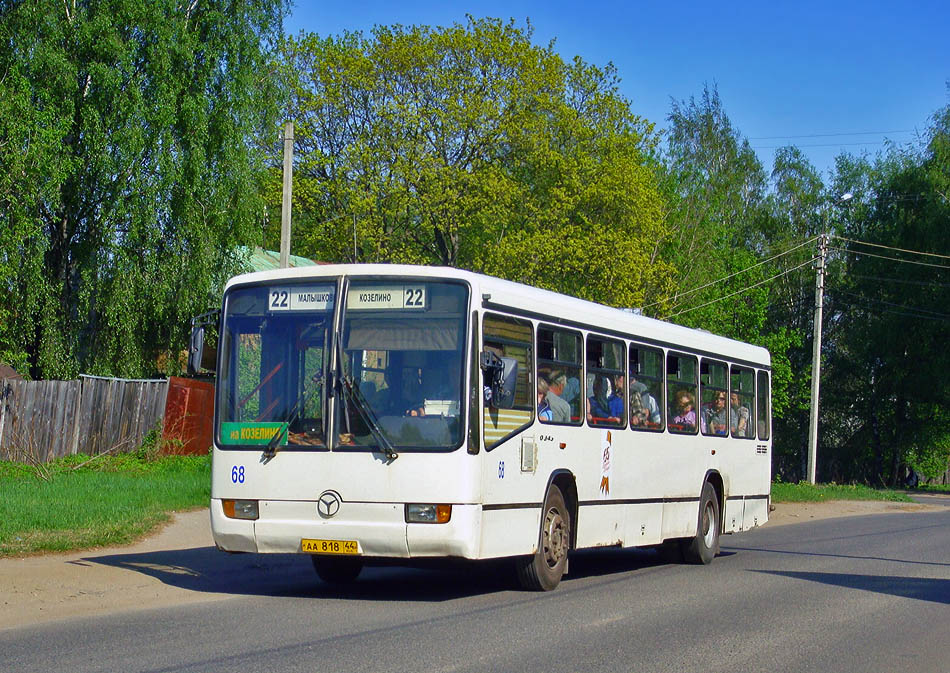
(565, 481)
(542, 571)
(703, 547)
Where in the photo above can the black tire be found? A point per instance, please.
(543, 570)
(703, 547)
(337, 569)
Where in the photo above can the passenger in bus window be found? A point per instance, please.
(572, 387)
(712, 420)
(644, 409)
(603, 407)
(560, 410)
(685, 417)
(544, 409)
(740, 416)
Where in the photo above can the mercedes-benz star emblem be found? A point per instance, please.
(328, 504)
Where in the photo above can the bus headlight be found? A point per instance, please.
(428, 513)
(240, 509)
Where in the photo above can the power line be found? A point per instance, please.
(775, 147)
(904, 281)
(833, 135)
(906, 314)
(679, 295)
(891, 259)
(888, 247)
(923, 312)
(746, 289)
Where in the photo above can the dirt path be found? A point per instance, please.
(40, 589)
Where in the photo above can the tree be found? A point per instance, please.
(888, 400)
(469, 146)
(721, 229)
(130, 171)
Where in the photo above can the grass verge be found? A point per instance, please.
(108, 501)
(805, 492)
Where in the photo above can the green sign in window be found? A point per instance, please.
(254, 434)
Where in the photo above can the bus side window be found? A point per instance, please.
(681, 384)
(509, 337)
(606, 399)
(646, 388)
(763, 407)
(714, 411)
(560, 393)
(742, 402)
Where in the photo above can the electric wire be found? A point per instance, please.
(746, 289)
(833, 135)
(680, 295)
(903, 281)
(775, 147)
(906, 314)
(891, 259)
(921, 312)
(888, 247)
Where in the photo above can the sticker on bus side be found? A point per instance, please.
(297, 298)
(402, 297)
(252, 434)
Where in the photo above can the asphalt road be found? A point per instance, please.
(868, 593)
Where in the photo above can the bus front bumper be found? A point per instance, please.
(380, 529)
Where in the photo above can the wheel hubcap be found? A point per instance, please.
(709, 530)
(555, 542)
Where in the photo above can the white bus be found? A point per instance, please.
(384, 411)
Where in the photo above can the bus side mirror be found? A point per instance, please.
(501, 377)
(196, 347)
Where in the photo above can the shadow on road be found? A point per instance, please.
(207, 570)
(920, 588)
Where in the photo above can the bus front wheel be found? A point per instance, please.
(703, 547)
(337, 569)
(543, 570)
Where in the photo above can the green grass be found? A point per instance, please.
(804, 492)
(934, 488)
(108, 501)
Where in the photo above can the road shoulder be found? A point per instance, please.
(176, 565)
(38, 589)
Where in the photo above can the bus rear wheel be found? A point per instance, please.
(543, 570)
(702, 548)
(337, 569)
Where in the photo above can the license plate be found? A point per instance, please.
(343, 547)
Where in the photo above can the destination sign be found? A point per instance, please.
(399, 297)
(255, 434)
(301, 298)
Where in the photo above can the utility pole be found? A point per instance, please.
(285, 203)
(816, 358)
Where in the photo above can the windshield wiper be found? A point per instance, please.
(355, 395)
(302, 400)
(352, 393)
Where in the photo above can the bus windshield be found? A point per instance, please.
(401, 354)
(273, 374)
(400, 366)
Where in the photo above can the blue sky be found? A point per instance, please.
(825, 76)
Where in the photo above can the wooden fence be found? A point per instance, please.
(43, 420)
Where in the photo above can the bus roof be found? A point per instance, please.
(544, 305)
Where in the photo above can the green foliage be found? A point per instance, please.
(128, 172)
(889, 339)
(469, 146)
(805, 492)
(722, 228)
